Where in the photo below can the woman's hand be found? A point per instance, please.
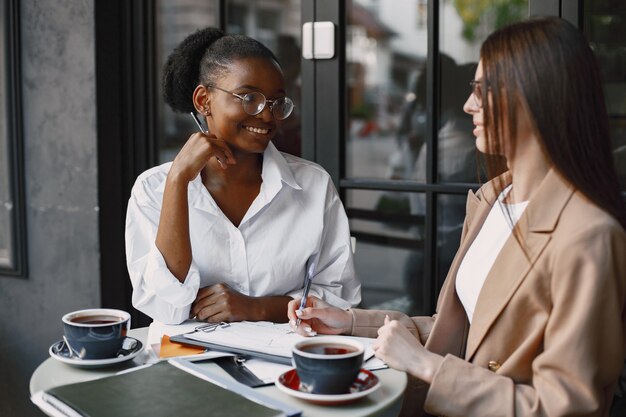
(196, 153)
(173, 233)
(318, 317)
(402, 351)
(220, 302)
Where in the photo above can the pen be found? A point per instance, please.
(203, 130)
(195, 119)
(307, 287)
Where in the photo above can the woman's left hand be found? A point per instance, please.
(402, 351)
(220, 302)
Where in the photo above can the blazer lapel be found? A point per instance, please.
(448, 336)
(514, 261)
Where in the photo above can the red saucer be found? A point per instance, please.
(365, 383)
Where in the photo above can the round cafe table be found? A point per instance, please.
(385, 401)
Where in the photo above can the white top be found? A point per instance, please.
(484, 250)
(296, 215)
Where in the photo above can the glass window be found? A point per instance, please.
(386, 79)
(605, 27)
(387, 274)
(385, 53)
(237, 18)
(463, 28)
(388, 256)
(385, 214)
(450, 218)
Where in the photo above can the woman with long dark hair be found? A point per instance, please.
(530, 320)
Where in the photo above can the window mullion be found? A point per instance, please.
(432, 108)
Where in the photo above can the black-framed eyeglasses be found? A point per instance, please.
(254, 102)
(477, 92)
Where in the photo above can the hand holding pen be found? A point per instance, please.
(307, 287)
(319, 317)
(223, 154)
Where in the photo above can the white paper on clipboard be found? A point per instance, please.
(268, 338)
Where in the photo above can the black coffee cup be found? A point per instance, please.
(96, 333)
(327, 365)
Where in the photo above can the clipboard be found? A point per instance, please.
(272, 342)
(283, 360)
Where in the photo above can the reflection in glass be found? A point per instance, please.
(464, 26)
(394, 207)
(450, 217)
(605, 27)
(385, 54)
(386, 79)
(389, 245)
(457, 155)
(381, 269)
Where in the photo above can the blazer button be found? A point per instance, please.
(493, 366)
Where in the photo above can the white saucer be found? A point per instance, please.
(60, 352)
(365, 383)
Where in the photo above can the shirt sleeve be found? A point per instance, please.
(583, 349)
(335, 279)
(156, 291)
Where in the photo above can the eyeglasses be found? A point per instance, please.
(477, 92)
(253, 103)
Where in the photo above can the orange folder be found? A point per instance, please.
(170, 349)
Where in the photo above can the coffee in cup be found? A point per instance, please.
(96, 333)
(327, 365)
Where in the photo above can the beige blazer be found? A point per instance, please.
(548, 334)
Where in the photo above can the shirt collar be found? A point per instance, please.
(275, 172)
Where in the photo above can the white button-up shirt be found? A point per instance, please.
(296, 216)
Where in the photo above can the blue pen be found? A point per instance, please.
(307, 287)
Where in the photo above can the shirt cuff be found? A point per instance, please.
(166, 286)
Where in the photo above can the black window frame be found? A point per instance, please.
(17, 263)
(431, 188)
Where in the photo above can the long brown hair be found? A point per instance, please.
(546, 65)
